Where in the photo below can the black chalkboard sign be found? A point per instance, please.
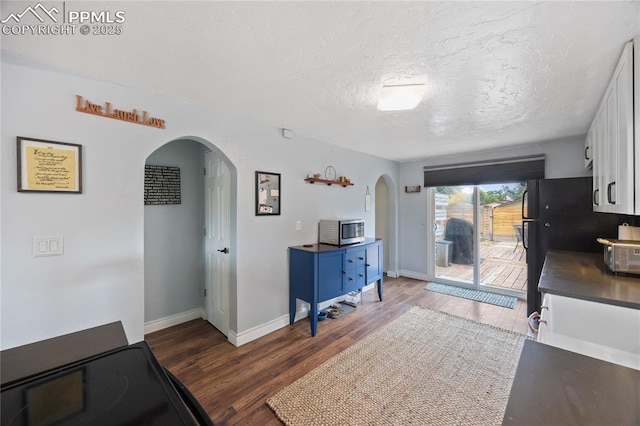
(161, 185)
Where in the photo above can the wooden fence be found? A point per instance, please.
(504, 217)
(496, 220)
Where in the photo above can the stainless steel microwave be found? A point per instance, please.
(340, 232)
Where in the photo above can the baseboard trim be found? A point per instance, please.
(239, 339)
(392, 274)
(413, 274)
(171, 320)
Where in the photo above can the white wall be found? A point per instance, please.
(564, 158)
(173, 237)
(100, 277)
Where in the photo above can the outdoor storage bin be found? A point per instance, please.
(443, 253)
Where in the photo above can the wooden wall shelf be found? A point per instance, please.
(328, 182)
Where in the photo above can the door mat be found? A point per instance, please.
(477, 295)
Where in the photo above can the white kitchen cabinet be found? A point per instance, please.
(599, 149)
(607, 332)
(588, 150)
(611, 139)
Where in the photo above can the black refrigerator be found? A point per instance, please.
(557, 214)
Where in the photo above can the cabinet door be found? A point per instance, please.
(619, 188)
(599, 160)
(610, 144)
(374, 262)
(585, 327)
(636, 120)
(623, 124)
(330, 275)
(588, 149)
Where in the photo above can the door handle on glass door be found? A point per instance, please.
(224, 250)
(524, 196)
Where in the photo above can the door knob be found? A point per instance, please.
(224, 250)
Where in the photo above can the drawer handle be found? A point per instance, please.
(361, 275)
(350, 260)
(368, 264)
(361, 258)
(344, 272)
(350, 278)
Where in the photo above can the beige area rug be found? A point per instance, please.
(423, 368)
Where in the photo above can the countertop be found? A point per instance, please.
(319, 248)
(557, 387)
(585, 276)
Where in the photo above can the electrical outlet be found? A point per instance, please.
(299, 225)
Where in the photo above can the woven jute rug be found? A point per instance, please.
(424, 368)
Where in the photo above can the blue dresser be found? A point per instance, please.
(319, 272)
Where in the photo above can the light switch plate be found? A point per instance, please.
(48, 246)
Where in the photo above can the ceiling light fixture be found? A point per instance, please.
(401, 97)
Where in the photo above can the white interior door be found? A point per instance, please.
(217, 240)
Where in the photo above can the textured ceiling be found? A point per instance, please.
(498, 73)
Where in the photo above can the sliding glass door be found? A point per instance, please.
(477, 239)
(455, 242)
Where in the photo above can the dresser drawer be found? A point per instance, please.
(354, 279)
(355, 258)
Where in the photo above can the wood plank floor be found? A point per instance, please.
(233, 383)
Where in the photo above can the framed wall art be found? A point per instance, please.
(267, 194)
(48, 166)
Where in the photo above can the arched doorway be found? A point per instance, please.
(177, 251)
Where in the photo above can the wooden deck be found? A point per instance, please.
(503, 265)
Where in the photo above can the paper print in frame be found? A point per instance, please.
(48, 166)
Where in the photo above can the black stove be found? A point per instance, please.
(125, 386)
